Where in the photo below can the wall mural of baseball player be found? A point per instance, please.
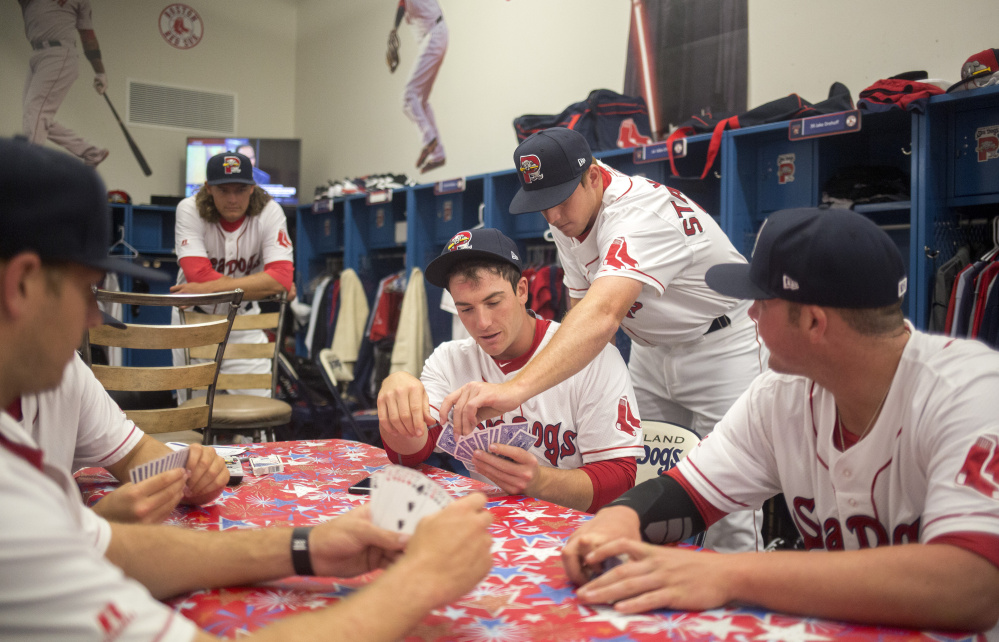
(635, 253)
(586, 436)
(430, 30)
(49, 26)
(232, 234)
(883, 438)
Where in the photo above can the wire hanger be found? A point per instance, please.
(121, 242)
(991, 254)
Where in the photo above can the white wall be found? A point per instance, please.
(504, 59)
(315, 69)
(250, 53)
(803, 47)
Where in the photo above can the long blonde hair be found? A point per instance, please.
(208, 211)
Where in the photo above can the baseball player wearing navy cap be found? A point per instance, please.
(883, 439)
(634, 254)
(68, 574)
(229, 235)
(76, 423)
(587, 434)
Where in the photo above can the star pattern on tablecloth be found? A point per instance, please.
(620, 621)
(494, 600)
(553, 594)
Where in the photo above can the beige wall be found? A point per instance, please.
(805, 46)
(315, 69)
(251, 54)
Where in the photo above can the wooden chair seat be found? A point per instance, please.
(244, 411)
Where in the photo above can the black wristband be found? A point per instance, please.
(300, 557)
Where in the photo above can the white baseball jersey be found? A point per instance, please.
(432, 34)
(658, 236)
(927, 468)
(260, 240)
(55, 583)
(56, 19)
(77, 424)
(53, 70)
(587, 418)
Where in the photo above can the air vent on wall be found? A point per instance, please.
(181, 108)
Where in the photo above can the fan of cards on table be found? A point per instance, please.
(401, 497)
(513, 434)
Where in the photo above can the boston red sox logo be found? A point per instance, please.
(629, 136)
(283, 239)
(626, 420)
(530, 168)
(981, 467)
(618, 257)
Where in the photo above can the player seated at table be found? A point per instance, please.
(883, 439)
(66, 573)
(586, 430)
(78, 425)
(229, 235)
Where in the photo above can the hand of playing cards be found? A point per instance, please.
(401, 497)
(176, 459)
(463, 447)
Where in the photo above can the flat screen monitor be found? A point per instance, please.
(275, 163)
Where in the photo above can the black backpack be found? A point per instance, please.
(786, 108)
(607, 119)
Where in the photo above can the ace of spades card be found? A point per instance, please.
(401, 497)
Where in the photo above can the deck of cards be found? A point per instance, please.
(463, 447)
(176, 459)
(401, 497)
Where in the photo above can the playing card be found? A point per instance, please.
(463, 450)
(401, 497)
(446, 441)
(176, 459)
(481, 440)
(522, 439)
(507, 431)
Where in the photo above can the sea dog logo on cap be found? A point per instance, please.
(231, 165)
(530, 167)
(459, 241)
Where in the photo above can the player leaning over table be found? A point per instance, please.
(229, 235)
(884, 440)
(67, 574)
(587, 433)
(634, 253)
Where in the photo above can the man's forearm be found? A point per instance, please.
(168, 560)
(585, 331)
(255, 286)
(935, 586)
(147, 449)
(91, 49)
(363, 614)
(571, 488)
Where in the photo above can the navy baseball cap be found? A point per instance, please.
(550, 164)
(484, 243)
(229, 167)
(55, 206)
(834, 258)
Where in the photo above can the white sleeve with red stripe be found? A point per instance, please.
(189, 231)
(274, 241)
(55, 583)
(77, 424)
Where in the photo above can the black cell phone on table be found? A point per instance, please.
(362, 487)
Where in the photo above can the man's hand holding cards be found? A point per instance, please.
(401, 497)
(463, 448)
